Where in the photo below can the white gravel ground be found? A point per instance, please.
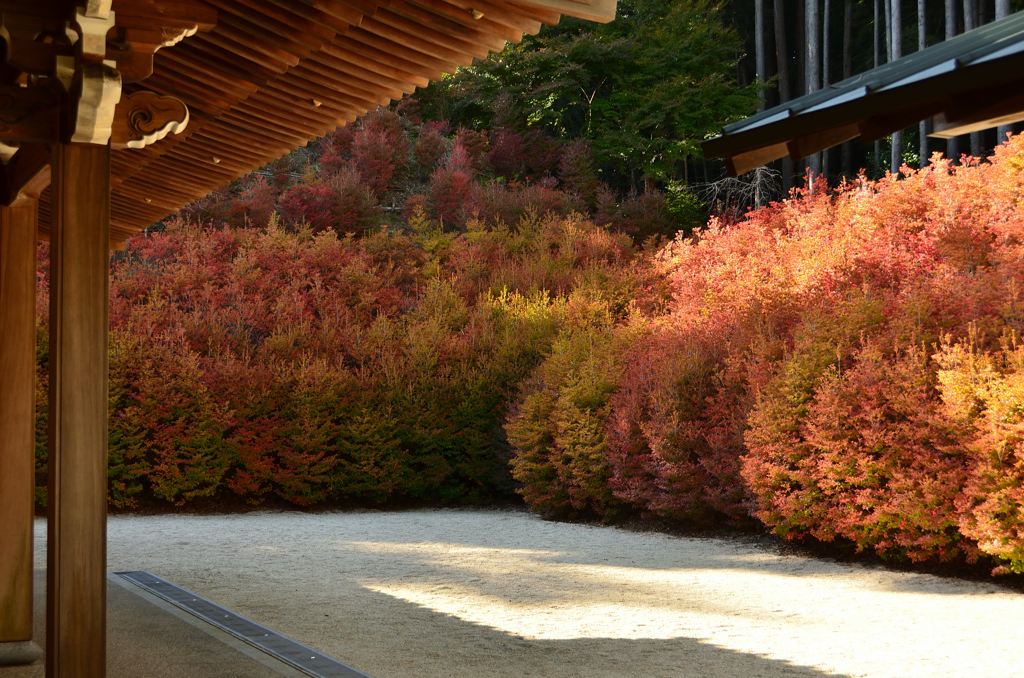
(481, 593)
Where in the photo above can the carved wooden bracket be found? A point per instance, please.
(97, 89)
(133, 48)
(144, 118)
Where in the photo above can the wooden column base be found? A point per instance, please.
(19, 653)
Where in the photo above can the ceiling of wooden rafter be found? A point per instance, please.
(273, 75)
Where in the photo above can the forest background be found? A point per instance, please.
(509, 284)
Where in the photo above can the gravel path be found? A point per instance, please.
(482, 593)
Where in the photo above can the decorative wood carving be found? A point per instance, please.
(172, 35)
(145, 118)
(98, 89)
(133, 48)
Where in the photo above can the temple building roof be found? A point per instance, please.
(968, 83)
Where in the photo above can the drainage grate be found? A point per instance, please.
(298, 655)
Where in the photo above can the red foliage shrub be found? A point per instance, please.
(452, 190)
(641, 216)
(257, 200)
(355, 209)
(431, 147)
(842, 365)
(542, 154)
(508, 154)
(477, 147)
(675, 446)
(499, 203)
(305, 204)
(335, 148)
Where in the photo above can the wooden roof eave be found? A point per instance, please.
(263, 77)
(961, 76)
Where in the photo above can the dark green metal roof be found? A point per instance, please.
(970, 82)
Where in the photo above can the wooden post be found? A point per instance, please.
(17, 425)
(76, 612)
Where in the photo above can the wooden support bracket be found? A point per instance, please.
(144, 118)
(92, 31)
(98, 89)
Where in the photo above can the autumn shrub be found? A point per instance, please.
(308, 205)
(335, 148)
(507, 156)
(380, 152)
(316, 367)
(640, 215)
(430, 148)
(452, 189)
(477, 147)
(675, 441)
(355, 208)
(558, 427)
(577, 169)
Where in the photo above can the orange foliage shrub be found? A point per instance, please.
(843, 364)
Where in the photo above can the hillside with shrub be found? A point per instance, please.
(845, 364)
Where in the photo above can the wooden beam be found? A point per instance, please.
(809, 144)
(27, 174)
(742, 163)
(602, 11)
(76, 605)
(165, 13)
(989, 109)
(30, 114)
(17, 418)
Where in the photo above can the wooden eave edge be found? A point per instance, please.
(874, 104)
(134, 15)
(601, 11)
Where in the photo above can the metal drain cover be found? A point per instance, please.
(298, 655)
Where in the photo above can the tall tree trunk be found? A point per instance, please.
(970, 22)
(878, 62)
(1002, 11)
(847, 158)
(759, 61)
(781, 52)
(952, 145)
(782, 58)
(826, 13)
(922, 41)
(888, 31)
(812, 73)
(895, 52)
(801, 47)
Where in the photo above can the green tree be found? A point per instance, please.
(645, 89)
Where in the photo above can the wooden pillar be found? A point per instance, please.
(76, 558)
(17, 424)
